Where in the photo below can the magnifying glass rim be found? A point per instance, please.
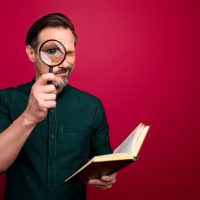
(54, 41)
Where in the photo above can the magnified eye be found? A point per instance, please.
(53, 51)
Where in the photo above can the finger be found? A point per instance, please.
(49, 89)
(50, 97)
(49, 104)
(103, 187)
(40, 98)
(46, 104)
(109, 178)
(44, 78)
(98, 182)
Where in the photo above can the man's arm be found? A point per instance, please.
(12, 139)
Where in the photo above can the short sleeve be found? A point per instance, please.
(100, 142)
(4, 113)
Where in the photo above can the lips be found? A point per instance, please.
(61, 72)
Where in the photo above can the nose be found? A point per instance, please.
(68, 63)
(64, 64)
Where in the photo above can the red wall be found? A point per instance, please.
(142, 59)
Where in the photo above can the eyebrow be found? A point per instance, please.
(70, 51)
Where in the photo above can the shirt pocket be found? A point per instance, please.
(73, 145)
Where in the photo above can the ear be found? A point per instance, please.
(30, 53)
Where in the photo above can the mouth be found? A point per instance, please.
(63, 72)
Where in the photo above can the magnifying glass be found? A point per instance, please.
(52, 53)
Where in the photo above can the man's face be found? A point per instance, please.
(63, 70)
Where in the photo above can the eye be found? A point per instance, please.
(53, 51)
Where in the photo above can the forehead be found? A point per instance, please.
(63, 35)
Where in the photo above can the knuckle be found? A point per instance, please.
(114, 181)
(40, 104)
(34, 88)
(43, 76)
(55, 103)
(54, 96)
(53, 88)
(34, 93)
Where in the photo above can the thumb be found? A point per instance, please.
(43, 79)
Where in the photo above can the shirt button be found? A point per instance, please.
(52, 135)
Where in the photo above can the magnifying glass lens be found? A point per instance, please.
(52, 53)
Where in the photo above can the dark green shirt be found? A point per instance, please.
(71, 134)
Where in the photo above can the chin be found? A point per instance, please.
(60, 84)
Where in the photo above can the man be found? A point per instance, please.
(39, 150)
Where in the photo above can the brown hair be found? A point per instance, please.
(50, 20)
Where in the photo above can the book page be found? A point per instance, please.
(140, 140)
(127, 145)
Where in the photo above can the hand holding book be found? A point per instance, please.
(104, 182)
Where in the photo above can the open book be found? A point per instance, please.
(126, 153)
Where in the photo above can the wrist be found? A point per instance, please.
(28, 120)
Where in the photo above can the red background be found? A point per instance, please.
(142, 59)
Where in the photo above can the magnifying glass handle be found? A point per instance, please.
(50, 82)
(50, 71)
